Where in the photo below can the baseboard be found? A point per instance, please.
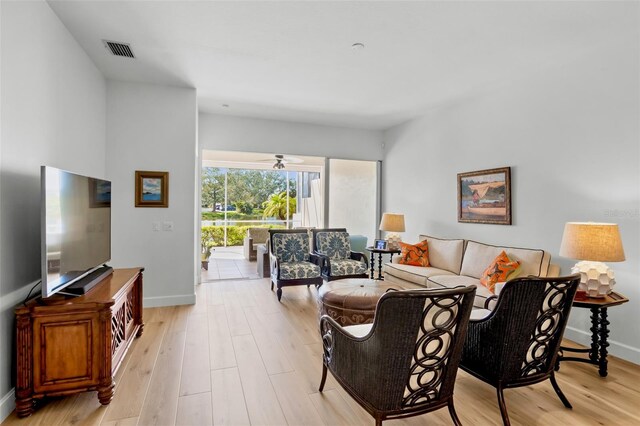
(620, 350)
(7, 405)
(182, 299)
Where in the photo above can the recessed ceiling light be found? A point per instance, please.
(225, 105)
(357, 46)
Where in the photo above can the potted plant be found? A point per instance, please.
(207, 248)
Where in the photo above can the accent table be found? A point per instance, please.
(380, 252)
(599, 331)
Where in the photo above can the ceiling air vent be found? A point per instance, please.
(119, 49)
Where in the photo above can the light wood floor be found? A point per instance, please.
(239, 357)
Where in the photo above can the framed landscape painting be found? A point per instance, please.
(484, 196)
(152, 189)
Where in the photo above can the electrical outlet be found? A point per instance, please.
(155, 226)
(167, 226)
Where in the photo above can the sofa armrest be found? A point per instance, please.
(554, 270)
(274, 264)
(354, 255)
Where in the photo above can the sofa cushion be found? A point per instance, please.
(335, 245)
(298, 270)
(450, 281)
(414, 274)
(347, 267)
(414, 254)
(445, 254)
(477, 256)
(500, 269)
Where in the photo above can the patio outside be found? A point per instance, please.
(234, 200)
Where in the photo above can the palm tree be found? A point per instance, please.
(276, 206)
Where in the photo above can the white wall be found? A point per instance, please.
(353, 197)
(153, 128)
(228, 133)
(571, 135)
(53, 113)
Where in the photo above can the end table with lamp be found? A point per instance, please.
(380, 252)
(592, 244)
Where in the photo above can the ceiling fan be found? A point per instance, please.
(282, 160)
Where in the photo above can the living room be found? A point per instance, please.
(549, 89)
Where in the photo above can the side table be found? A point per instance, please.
(380, 252)
(597, 353)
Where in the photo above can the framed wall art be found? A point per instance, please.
(484, 196)
(152, 189)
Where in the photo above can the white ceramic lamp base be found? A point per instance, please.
(393, 241)
(596, 278)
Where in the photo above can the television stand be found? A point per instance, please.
(70, 345)
(86, 283)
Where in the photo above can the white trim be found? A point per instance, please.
(620, 350)
(181, 299)
(7, 405)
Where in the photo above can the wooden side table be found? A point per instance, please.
(380, 252)
(597, 353)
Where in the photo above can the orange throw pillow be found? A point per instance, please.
(414, 254)
(498, 271)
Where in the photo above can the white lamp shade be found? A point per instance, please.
(592, 241)
(392, 222)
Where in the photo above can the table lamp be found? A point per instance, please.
(592, 244)
(392, 223)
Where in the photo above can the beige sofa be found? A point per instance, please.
(254, 238)
(455, 262)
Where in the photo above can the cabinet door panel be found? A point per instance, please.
(68, 348)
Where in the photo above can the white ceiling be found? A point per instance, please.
(293, 60)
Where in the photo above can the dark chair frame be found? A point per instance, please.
(375, 369)
(275, 264)
(496, 346)
(326, 260)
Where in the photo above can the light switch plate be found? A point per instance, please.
(167, 226)
(155, 226)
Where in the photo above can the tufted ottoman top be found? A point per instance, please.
(352, 301)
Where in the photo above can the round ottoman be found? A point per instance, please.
(351, 301)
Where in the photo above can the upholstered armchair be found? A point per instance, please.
(255, 237)
(333, 246)
(405, 363)
(291, 261)
(517, 343)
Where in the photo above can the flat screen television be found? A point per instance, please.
(76, 231)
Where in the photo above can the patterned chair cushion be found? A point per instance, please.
(347, 267)
(335, 245)
(291, 247)
(298, 270)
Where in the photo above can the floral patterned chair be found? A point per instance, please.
(291, 260)
(338, 261)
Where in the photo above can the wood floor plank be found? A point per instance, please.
(273, 356)
(278, 371)
(294, 401)
(161, 402)
(221, 352)
(227, 398)
(194, 410)
(262, 404)
(334, 410)
(195, 365)
(132, 388)
(130, 421)
(238, 324)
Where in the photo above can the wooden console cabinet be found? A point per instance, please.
(69, 345)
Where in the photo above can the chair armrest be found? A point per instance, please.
(490, 299)
(355, 255)
(274, 264)
(318, 259)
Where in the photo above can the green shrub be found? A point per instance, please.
(235, 234)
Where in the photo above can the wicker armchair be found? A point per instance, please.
(338, 261)
(405, 363)
(290, 260)
(518, 342)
